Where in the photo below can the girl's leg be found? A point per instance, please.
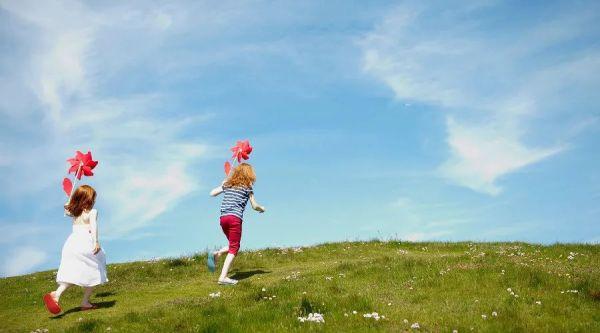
(87, 292)
(62, 286)
(221, 252)
(226, 266)
(234, 235)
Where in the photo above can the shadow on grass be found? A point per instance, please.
(246, 274)
(100, 305)
(105, 294)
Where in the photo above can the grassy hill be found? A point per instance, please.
(489, 287)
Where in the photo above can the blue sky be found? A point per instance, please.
(420, 121)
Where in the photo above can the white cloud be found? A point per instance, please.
(74, 54)
(22, 260)
(13, 233)
(483, 153)
(492, 84)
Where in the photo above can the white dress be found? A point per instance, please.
(78, 264)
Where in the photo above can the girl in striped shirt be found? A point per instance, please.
(237, 190)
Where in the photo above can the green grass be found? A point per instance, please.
(442, 286)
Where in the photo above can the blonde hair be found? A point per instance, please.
(243, 176)
(83, 199)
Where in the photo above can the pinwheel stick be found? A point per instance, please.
(75, 181)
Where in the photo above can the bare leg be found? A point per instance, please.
(226, 265)
(62, 286)
(87, 292)
(221, 252)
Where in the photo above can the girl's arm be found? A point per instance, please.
(94, 229)
(255, 205)
(216, 191)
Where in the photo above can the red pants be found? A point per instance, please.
(232, 228)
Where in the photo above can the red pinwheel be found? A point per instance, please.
(67, 186)
(241, 151)
(82, 164)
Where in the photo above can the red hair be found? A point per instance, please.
(83, 199)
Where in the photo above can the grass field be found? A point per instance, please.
(480, 287)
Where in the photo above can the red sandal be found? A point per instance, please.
(51, 304)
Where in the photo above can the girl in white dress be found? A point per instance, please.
(83, 262)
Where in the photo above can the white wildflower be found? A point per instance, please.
(354, 312)
(415, 326)
(484, 316)
(494, 314)
(373, 315)
(538, 302)
(215, 295)
(313, 317)
(405, 321)
(264, 289)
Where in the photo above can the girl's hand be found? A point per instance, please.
(260, 209)
(96, 248)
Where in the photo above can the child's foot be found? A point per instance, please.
(88, 306)
(228, 282)
(51, 303)
(210, 262)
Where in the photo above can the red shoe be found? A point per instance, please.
(51, 304)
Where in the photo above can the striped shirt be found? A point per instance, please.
(235, 200)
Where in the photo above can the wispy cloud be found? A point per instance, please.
(22, 260)
(145, 160)
(495, 85)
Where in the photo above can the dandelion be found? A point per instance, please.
(538, 302)
(415, 326)
(484, 316)
(345, 314)
(509, 290)
(389, 304)
(494, 314)
(264, 289)
(354, 312)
